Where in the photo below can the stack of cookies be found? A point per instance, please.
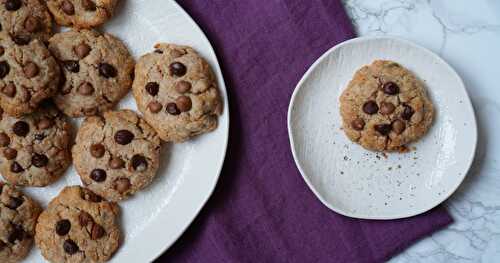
(46, 78)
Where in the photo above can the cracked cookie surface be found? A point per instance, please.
(177, 92)
(385, 107)
(25, 18)
(97, 71)
(78, 226)
(116, 155)
(81, 13)
(28, 74)
(18, 215)
(35, 149)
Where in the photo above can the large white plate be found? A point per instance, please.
(153, 219)
(358, 183)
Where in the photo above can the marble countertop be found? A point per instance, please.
(467, 35)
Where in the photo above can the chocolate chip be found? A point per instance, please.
(2, 50)
(98, 175)
(2, 245)
(86, 89)
(383, 129)
(13, 5)
(70, 246)
(370, 107)
(152, 88)
(39, 160)
(124, 137)
(14, 202)
(358, 124)
(122, 185)
(387, 108)
(16, 168)
(82, 50)
(88, 5)
(17, 234)
(139, 163)
(177, 69)
(21, 128)
(183, 103)
(4, 139)
(398, 126)
(90, 196)
(68, 8)
(39, 136)
(172, 109)
(97, 231)
(407, 112)
(97, 150)
(21, 39)
(182, 86)
(71, 66)
(9, 153)
(62, 227)
(30, 70)
(158, 51)
(106, 70)
(116, 163)
(45, 123)
(391, 88)
(32, 24)
(85, 218)
(154, 106)
(4, 69)
(9, 90)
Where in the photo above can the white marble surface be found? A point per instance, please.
(466, 33)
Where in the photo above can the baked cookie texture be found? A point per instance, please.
(98, 71)
(28, 74)
(78, 226)
(35, 150)
(385, 107)
(27, 19)
(81, 13)
(116, 155)
(18, 216)
(177, 92)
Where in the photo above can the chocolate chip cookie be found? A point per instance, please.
(116, 155)
(34, 149)
(18, 215)
(28, 74)
(177, 92)
(78, 226)
(81, 13)
(385, 107)
(26, 19)
(98, 71)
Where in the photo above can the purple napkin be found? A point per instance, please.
(262, 210)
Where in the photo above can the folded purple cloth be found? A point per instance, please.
(262, 211)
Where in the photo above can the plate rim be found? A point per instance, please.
(467, 101)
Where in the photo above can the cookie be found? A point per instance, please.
(78, 226)
(81, 13)
(28, 74)
(98, 71)
(35, 149)
(385, 107)
(26, 19)
(116, 155)
(177, 92)
(18, 215)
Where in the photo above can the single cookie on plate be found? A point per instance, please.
(385, 107)
(78, 226)
(98, 71)
(18, 215)
(35, 150)
(177, 92)
(26, 19)
(82, 13)
(116, 155)
(28, 74)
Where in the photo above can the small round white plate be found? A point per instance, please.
(362, 184)
(155, 217)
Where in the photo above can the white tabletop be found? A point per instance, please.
(466, 34)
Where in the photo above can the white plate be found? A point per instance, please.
(362, 184)
(153, 219)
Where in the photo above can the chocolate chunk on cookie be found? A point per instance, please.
(28, 19)
(82, 13)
